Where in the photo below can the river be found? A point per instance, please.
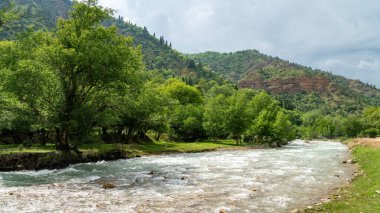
(263, 180)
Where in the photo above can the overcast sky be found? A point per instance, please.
(342, 36)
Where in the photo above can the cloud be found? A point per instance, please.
(341, 36)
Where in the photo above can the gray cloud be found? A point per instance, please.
(342, 36)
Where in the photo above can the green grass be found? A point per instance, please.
(15, 148)
(139, 149)
(361, 196)
(168, 147)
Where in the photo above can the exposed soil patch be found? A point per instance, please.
(367, 142)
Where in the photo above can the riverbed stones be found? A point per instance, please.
(108, 186)
(350, 161)
(254, 190)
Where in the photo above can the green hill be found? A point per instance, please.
(157, 52)
(298, 87)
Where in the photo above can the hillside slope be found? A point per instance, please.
(298, 87)
(157, 52)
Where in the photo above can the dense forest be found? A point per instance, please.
(85, 81)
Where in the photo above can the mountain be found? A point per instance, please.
(157, 52)
(159, 55)
(296, 86)
(35, 14)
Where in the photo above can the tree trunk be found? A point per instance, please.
(63, 135)
(106, 137)
(129, 138)
(238, 139)
(62, 142)
(44, 137)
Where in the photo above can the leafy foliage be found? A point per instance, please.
(316, 124)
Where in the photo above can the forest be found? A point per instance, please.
(83, 82)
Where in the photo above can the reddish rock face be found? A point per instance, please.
(319, 84)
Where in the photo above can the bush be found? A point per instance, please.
(372, 133)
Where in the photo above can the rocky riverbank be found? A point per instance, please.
(55, 160)
(31, 159)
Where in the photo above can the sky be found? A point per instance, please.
(341, 36)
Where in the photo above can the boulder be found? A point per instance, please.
(350, 161)
(108, 186)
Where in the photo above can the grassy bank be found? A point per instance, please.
(140, 149)
(36, 157)
(363, 195)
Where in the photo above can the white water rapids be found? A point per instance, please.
(265, 180)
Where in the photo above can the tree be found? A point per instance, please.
(186, 123)
(215, 115)
(30, 89)
(180, 91)
(283, 130)
(186, 114)
(81, 63)
(260, 102)
(237, 117)
(89, 60)
(270, 123)
(7, 12)
(353, 126)
(308, 124)
(372, 121)
(144, 110)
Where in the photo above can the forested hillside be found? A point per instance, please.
(157, 52)
(298, 87)
(35, 15)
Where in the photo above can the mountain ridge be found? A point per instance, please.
(248, 68)
(252, 69)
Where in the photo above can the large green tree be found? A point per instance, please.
(237, 114)
(372, 121)
(186, 114)
(82, 65)
(215, 113)
(89, 59)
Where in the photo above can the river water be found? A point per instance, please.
(267, 180)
